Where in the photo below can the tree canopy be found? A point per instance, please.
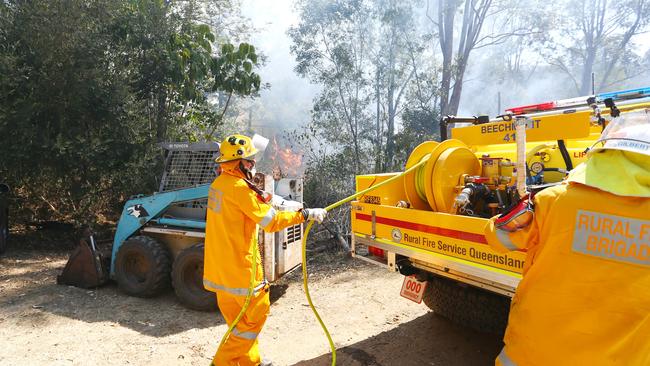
(90, 87)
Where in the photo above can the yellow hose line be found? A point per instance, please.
(304, 246)
(420, 181)
(251, 286)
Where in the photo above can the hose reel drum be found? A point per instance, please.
(457, 179)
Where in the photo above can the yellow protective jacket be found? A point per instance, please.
(234, 211)
(585, 295)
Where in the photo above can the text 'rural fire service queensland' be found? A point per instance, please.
(464, 252)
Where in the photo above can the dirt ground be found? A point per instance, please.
(47, 324)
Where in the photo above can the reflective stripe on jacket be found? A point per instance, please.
(234, 211)
(585, 295)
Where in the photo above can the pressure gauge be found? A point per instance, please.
(537, 167)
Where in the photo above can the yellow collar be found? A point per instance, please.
(619, 172)
(232, 168)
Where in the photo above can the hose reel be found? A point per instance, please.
(453, 179)
(433, 186)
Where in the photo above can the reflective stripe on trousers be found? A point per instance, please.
(245, 335)
(504, 238)
(504, 359)
(239, 291)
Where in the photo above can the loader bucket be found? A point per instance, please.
(86, 267)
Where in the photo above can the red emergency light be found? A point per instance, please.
(532, 108)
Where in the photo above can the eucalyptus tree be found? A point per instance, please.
(366, 54)
(399, 56)
(597, 36)
(331, 45)
(482, 23)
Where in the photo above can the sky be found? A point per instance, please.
(288, 101)
(643, 43)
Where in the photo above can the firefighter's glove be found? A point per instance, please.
(314, 214)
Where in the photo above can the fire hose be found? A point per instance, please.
(304, 247)
(254, 249)
(420, 179)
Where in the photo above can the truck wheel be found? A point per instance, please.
(467, 305)
(187, 279)
(142, 267)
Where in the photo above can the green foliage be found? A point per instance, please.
(418, 125)
(330, 45)
(87, 90)
(233, 70)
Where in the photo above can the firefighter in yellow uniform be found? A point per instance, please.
(585, 294)
(235, 209)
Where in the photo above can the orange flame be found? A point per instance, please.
(286, 163)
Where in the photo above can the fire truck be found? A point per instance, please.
(428, 225)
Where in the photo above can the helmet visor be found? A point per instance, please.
(629, 132)
(260, 143)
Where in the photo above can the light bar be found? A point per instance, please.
(580, 101)
(625, 94)
(572, 102)
(532, 108)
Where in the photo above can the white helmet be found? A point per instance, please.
(629, 132)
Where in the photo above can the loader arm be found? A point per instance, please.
(139, 211)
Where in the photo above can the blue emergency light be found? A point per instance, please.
(625, 94)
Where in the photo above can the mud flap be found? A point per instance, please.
(86, 267)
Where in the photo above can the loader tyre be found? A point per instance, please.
(142, 267)
(187, 279)
(467, 305)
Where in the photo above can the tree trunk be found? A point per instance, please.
(161, 117)
(446, 14)
(454, 102)
(392, 108)
(629, 33)
(390, 133)
(378, 122)
(585, 81)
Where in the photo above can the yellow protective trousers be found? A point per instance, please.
(241, 348)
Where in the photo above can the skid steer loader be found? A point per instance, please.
(159, 238)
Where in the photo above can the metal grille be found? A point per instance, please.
(294, 233)
(188, 164)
